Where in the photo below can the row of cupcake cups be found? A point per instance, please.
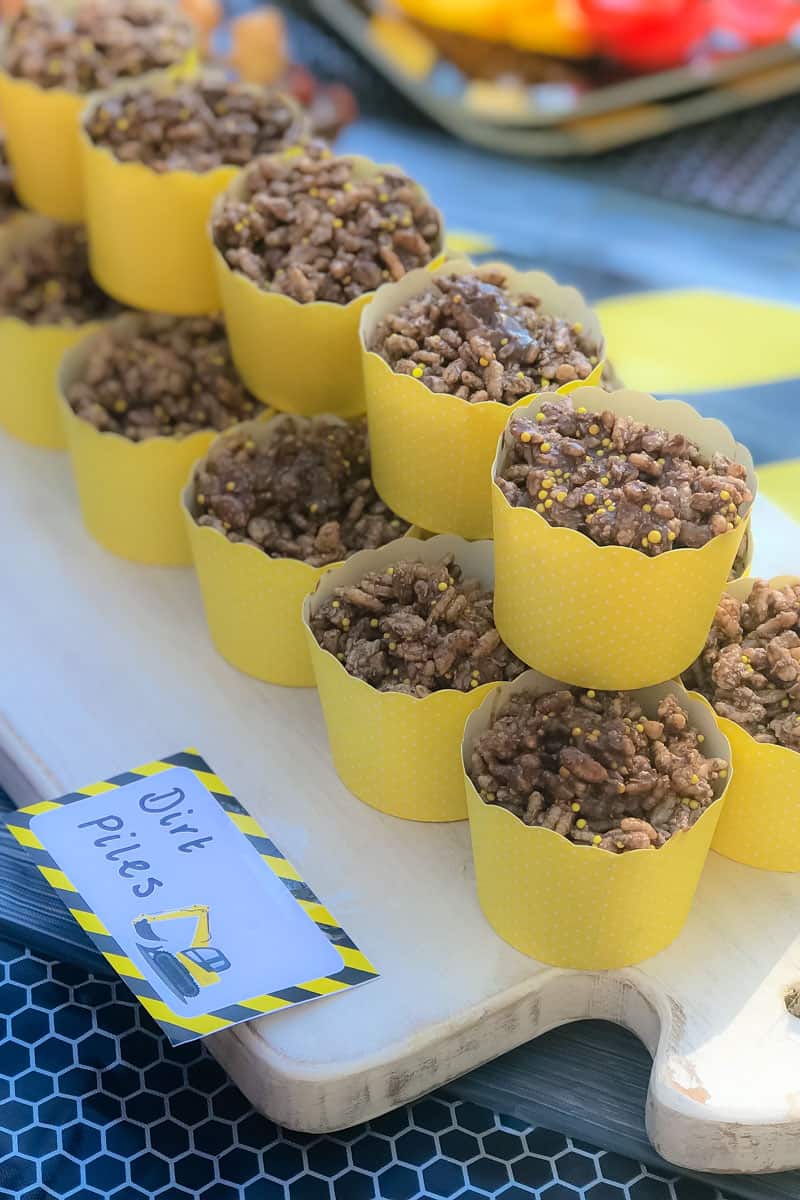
(254, 608)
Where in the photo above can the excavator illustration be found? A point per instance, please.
(184, 969)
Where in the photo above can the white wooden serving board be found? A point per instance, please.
(104, 664)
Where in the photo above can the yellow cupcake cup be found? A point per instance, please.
(431, 452)
(298, 358)
(148, 230)
(30, 356)
(253, 602)
(397, 753)
(129, 492)
(42, 136)
(610, 616)
(580, 907)
(760, 825)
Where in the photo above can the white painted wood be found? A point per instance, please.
(106, 664)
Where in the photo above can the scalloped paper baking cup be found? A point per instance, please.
(397, 753)
(299, 358)
(129, 492)
(431, 453)
(609, 616)
(760, 825)
(42, 135)
(29, 359)
(577, 906)
(148, 230)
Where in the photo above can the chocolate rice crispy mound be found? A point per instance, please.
(591, 766)
(195, 126)
(8, 200)
(171, 376)
(47, 281)
(417, 628)
(469, 337)
(310, 229)
(618, 481)
(96, 43)
(304, 492)
(750, 667)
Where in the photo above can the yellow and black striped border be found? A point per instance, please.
(356, 967)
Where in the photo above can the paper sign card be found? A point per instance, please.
(187, 898)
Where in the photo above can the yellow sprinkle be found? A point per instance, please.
(503, 341)
(701, 737)
(337, 222)
(331, 201)
(589, 518)
(723, 773)
(724, 495)
(525, 437)
(672, 535)
(694, 804)
(577, 731)
(561, 497)
(347, 187)
(731, 508)
(120, 406)
(122, 124)
(521, 375)
(473, 683)
(577, 328)
(647, 508)
(745, 658)
(580, 823)
(390, 571)
(374, 623)
(312, 508)
(654, 537)
(484, 362)
(620, 845)
(340, 657)
(596, 840)
(695, 778)
(581, 410)
(594, 429)
(249, 444)
(604, 480)
(457, 300)
(545, 382)
(620, 788)
(443, 586)
(548, 503)
(591, 693)
(418, 371)
(475, 674)
(589, 498)
(541, 495)
(392, 645)
(548, 483)
(784, 703)
(645, 542)
(396, 671)
(230, 486)
(575, 806)
(600, 454)
(540, 415)
(606, 442)
(540, 508)
(313, 191)
(335, 604)
(201, 500)
(345, 622)
(545, 447)
(383, 197)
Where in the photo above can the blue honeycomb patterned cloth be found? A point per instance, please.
(96, 1105)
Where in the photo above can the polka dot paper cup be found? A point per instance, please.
(148, 236)
(397, 753)
(431, 452)
(42, 127)
(129, 492)
(30, 356)
(298, 358)
(760, 825)
(610, 616)
(580, 907)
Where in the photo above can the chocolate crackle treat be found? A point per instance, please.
(468, 336)
(416, 627)
(313, 226)
(193, 126)
(620, 482)
(90, 45)
(750, 667)
(164, 376)
(46, 281)
(593, 767)
(304, 491)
